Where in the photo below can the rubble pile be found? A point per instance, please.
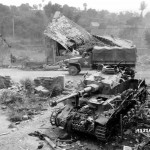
(19, 102)
(34, 65)
(23, 100)
(48, 86)
(117, 115)
(143, 61)
(5, 82)
(135, 138)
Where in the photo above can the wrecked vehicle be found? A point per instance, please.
(96, 109)
(110, 75)
(97, 56)
(65, 38)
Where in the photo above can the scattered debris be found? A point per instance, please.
(69, 85)
(48, 86)
(134, 126)
(4, 107)
(40, 146)
(5, 82)
(42, 90)
(14, 129)
(52, 67)
(45, 138)
(127, 148)
(25, 117)
(23, 100)
(12, 125)
(4, 133)
(128, 111)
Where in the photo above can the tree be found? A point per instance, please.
(123, 17)
(4, 10)
(85, 6)
(134, 21)
(76, 17)
(40, 6)
(56, 7)
(25, 7)
(5, 15)
(48, 9)
(143, 6)
(14, 10)
(147, 19)
(147, 37)
(67, 11)
(35, 7)
(51, 9)
(92, 13)
(112, 19)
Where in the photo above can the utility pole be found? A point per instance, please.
(13, 21)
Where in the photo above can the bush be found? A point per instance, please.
(147, 37)
(28, 86)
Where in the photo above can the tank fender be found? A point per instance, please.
(101, 120)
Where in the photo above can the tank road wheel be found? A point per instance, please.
(54, 116)
(73, 70)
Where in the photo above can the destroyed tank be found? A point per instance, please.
(99, 109)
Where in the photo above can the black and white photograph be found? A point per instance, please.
(75, 75)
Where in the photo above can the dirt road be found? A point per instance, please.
(17, 74)
(18, 138)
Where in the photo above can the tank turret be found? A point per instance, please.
(96, 109)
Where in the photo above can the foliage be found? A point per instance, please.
(128, 32)
(147, 37)
(20, 101)
(28, 85)
(51, 9)
(134, 21)
(30, 21)
(143, 6)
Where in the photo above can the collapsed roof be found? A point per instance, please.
(114, 41)
(66, 32)
(72, 36)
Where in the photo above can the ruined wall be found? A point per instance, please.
(4, 54)
(51, 48)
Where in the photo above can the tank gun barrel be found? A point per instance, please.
(89, 88)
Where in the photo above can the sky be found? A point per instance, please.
(110, 5)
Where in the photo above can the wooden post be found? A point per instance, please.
(121, 127)
(54, 55)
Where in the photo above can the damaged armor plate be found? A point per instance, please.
(97, 108)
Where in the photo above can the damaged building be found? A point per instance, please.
(63, 35)
(4, 52)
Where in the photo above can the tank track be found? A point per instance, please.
(100, 133)
(54, 116)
